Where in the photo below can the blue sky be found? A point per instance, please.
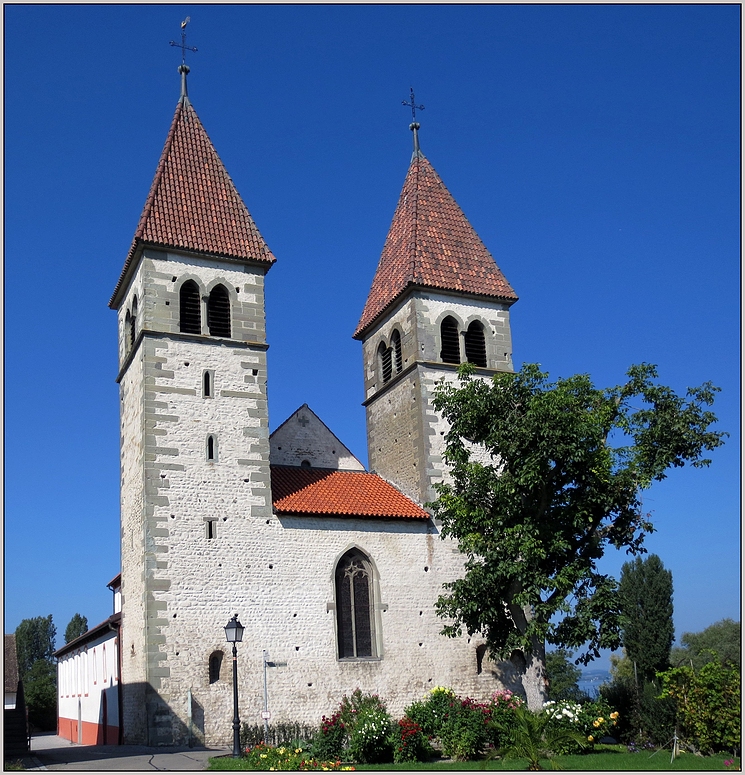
(595, 149)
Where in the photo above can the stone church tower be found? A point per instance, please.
(332, 569)
(438, 299)
(194, 424)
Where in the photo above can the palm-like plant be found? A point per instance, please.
(534, 738)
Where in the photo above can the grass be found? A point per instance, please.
(604, 758)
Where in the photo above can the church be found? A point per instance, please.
(333, 570)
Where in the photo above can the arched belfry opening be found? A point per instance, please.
(450, 352)
(475, 344)
(218, 312)
(190, 317)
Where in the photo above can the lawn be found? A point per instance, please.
(605, 758)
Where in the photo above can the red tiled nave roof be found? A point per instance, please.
(330, 492)
(431, 244)
(193, 204)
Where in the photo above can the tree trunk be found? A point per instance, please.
(534, 677)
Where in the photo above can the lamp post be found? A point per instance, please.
(234, 634)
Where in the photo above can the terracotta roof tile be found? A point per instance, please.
(431, 244)
(325, 491)
(193, 204)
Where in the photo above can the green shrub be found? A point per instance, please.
(370, 737)
(286, 758)
(329, 740)
(465, 731)
(431, 712)
(409, 743)
(502, 717)
(351, 707)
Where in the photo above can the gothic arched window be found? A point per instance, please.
(218, 312)
(475, 344)
(396, 348)
(354, 607)
(190, 316)
(450, 352)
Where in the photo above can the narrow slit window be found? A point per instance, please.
(127, 333)
(396, 347)
(475, 344)
(133, 324)
(210, 528)
(354, 607)
(190, 316)
(211, 448)
(207, 384)
(450, 352)
(218, 312)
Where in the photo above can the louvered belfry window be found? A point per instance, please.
(450, 352)
(396, 347)
(475, 344)
(218, 312)
(133, 324)
(384, 354)
(354, 611)
(190, 318)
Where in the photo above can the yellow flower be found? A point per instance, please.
(601, 720)
(596, 724)
(298, 750)
(263, 755)
(591, 738)
(614, 715)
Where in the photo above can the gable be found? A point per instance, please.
(304, 437)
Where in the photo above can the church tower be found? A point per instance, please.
(438, 299)
(195, 480)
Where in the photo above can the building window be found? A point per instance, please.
(396, 347)
(475, 344)
(190, 316)
(105, 666)
(218, 312)
(207, 386)
(450, 352)
(215, 665)
(354, 607)
(210, 528)
(133, 324)
(211, 448)
(384, 356)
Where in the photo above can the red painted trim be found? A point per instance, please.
(92, 733)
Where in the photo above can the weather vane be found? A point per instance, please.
(412, 104)
(184, 48)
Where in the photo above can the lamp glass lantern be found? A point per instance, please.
(234, 630)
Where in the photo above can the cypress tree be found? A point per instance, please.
(646, 605)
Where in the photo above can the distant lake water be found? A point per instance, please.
(591, 681)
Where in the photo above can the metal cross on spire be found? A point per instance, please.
(184, 48)
(414, 125)
(412, 104)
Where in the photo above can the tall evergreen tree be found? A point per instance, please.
(77, 626)
(646, 605)
(34, 641)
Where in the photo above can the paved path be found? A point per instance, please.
(50, 752)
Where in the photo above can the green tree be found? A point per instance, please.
(34, 641)
(722, 639)
(556, 479)
(78, 626)
(40, 690)
(646, 604)
(563, 677)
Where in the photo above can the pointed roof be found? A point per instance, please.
(430, 244)
(193, 204)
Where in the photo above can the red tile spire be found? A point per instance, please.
(193, 204)
(430, 244)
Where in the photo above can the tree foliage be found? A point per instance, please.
(34, 641)
(563, 677)
(708, 704)
(40, 691)
(545, 477)
(646, 605)
(722, 640)
(77, 626)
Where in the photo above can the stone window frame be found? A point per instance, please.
(374, 606)
(389, 356)
(211, 450)
(208, 383)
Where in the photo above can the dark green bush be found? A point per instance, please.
(329, 740)
(431, 712)
(409, 742)
(370, 737)
(465, 731)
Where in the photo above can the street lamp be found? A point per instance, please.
(234, 634)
